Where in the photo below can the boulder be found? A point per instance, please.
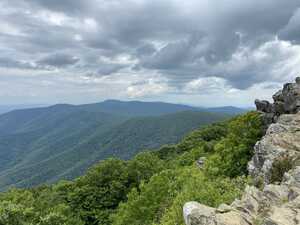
(195, 213)
(264, 106)
(200, 162)
(286, 101)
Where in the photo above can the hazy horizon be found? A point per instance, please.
(19, 106)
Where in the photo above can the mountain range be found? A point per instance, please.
(43, 145)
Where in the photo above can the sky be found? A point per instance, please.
(197, 52)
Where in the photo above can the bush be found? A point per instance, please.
(232, 153)
(279, 167)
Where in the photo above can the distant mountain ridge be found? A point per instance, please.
(9, 108)
(132, 108)
(43, 145)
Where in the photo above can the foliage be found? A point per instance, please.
(25, 208)
(149, 189)
(280, 166)
(161, 200)
(232, 153)
(209, 192)
(61, 142)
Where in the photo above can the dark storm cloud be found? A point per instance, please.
(180, 40)
(145, 50)
(292, 30)
(58, 60)
(66, 6)
(107, 69)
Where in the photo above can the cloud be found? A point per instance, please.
(146, 88)
(291, 31)
(107, 69)
(10, 63)
(196, 46)
(207, 85)
(58, 60)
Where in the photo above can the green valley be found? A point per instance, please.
(43, 145)
(149, 189)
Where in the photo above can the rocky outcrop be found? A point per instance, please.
(277, 203)
(274, 205)
(286, 101)
(282, 141)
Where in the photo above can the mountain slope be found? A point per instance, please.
(149, 189)
(9, 108)
(138, 108)
(46, 144)
(230, 110)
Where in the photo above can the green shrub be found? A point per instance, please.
(279, 167)
(232, 153)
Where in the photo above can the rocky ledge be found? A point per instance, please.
(277, 202)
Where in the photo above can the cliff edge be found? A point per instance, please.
(275, 168)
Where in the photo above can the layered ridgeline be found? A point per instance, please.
(209, 165)
(43, 145)
(274, 168)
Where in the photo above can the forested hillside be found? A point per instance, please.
(44, 145)
(149, 189)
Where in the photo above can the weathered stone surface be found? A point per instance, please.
(223, 208)
(197, 214)
(286, 101)
(230, 218)
(281, 139)
(264, 106)
(276, 193)
(282, 216)
(278, 96)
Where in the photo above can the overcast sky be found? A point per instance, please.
(200, 52)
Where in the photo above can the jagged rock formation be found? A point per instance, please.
(274, 204)
(286, 101)
(281, 142)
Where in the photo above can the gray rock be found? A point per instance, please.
(224, 208)
(282, 216)
(278, 96)
(264, 106)
(197, 214)
(286, 101)
(200, 162)
(281, 139)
